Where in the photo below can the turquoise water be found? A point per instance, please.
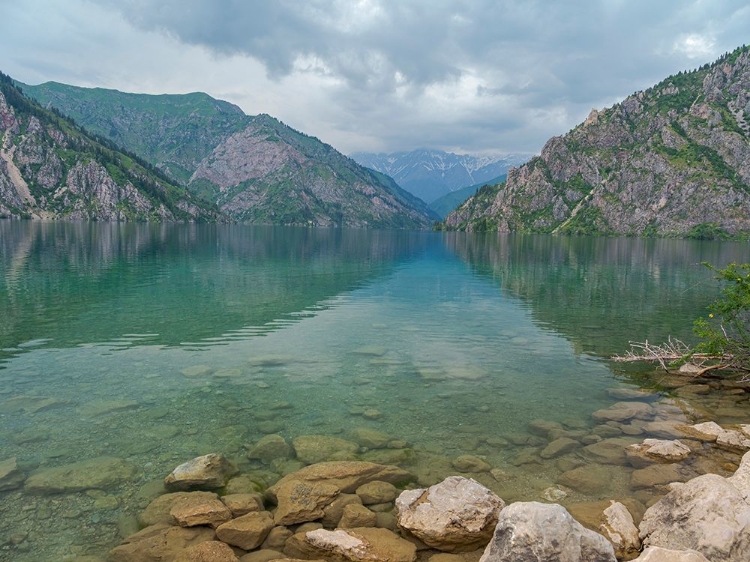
(155, 344)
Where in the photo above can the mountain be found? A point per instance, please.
(673, 160)
(255, 169)
(445, 204)
(51, 168)
(430, 174)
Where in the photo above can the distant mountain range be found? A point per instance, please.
(430, 174)
(445, 204)
(253, 168)
(673, 160)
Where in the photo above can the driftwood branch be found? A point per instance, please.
(674, 350)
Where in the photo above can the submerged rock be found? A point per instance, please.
(100, 473)
(11, 476)
(544, 533)
(270, 447)
(317, 448)
(623, 411)
(456, 515)
(209, 551)
(207, 472)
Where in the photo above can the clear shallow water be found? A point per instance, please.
(155, 344)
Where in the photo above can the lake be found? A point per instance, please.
(153, 344)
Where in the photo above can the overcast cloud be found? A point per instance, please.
(465, 76)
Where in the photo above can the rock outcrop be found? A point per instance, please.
(671, 160)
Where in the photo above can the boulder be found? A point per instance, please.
(158, 510)
(707, 514)
(10, 475)
(159, 542)
(624, 411)
(656, 475)
(619, 529)
(317, 448)
(657, 554)
(264, 555)
(240, 504)
(346, 475)
(377, 492)
(352, 545)
(208, 472)
(248, 531)
(541, 532)
(102, 473)
(270, 447)
(456, 515)
(354, 516)
(609, 451)
(333, 512)
(209, 551)
(192, 512)
(587, 479)
(299, 501)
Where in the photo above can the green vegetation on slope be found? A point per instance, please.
(445, 204)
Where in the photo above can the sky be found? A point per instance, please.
(467, 76)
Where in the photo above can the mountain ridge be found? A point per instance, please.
(672, 160)
(254, 168)
(50, 167)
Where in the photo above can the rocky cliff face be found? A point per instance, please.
(269, 173)
(50, 169)
(673, 160)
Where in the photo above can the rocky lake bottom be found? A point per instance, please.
(443, 356)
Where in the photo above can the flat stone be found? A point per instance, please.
(707, 431)
(317, 448)
(11, 476)
(247, 531)
(191, 512)
(208, 472)
(101, 407)
(664, 429)
(631, 394)
(538, 532)
(609, 451)
(623, 411)
(543, 427)
(559, 447)
(196, 371)
(264, 555)
(101, 473)
(456, 515)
